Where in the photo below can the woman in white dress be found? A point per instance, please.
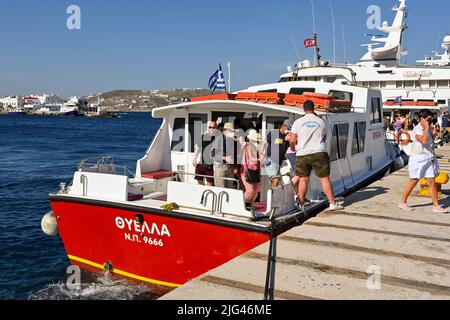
(423, 162)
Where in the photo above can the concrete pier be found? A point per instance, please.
(372, 250)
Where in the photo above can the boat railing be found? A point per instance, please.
(105, 165)
(180, 174)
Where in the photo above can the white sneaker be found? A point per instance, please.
(336, 207)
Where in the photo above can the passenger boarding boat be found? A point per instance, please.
(159, 226)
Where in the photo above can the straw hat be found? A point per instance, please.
(229, 126)
(253, 135)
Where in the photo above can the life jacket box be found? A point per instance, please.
(321, 96)
(294, 100)
(261, 97)
(221, 96)
(427, 103)
(411, 104)
(334, 109)
(323, 103)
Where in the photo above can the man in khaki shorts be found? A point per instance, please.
(309, 135)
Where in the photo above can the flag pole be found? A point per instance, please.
(317, 50)
(229, 76)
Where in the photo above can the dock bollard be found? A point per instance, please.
(442, 179)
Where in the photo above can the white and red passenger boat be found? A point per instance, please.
(109, 218)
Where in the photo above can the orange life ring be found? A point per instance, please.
(399, 135)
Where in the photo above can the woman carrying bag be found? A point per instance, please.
(251, 168)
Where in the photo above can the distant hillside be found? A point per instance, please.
(139, 100)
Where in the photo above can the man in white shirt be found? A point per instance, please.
(309, 135)
(422, 162)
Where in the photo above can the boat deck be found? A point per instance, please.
(338, 256)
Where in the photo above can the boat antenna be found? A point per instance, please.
(314, 29)
(313, 16)
(437, 43)
(344, 44)
(334, 33)
(293, 43)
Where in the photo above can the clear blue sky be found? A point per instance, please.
(158, 44)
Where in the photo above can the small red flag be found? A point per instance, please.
(310, 43)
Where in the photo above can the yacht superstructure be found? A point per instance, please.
(380, 68)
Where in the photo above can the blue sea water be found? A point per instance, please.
(36, 154)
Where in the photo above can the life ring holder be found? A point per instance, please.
(399, 135)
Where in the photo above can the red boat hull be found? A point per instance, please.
(155, 248)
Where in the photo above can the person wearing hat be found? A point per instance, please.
(204, 167)
(277, 148)
(251, 167)
(225, 156)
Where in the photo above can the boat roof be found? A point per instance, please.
(233, 105)
(280, 88)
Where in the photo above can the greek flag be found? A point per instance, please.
(217, 81)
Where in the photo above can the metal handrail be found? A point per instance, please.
(117, 169)
(204, 200)
(205, 176)
(84, 182)
(222, 195)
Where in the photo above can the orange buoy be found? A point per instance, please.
(399, 137)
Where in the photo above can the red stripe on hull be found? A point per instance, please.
(184, 249)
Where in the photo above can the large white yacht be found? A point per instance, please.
(439, 60)
(381, 68)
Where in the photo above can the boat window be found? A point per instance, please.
(301, 91)
(197, 126)
(359, 138)
(331, 79)
(441, 102)
(177, 144)
(399, 84)
(269, 91)
(339, 142)
(442, 84)
(273, 123)
(376, 111)
(341, 95)
(243, 121)
(409, 84)
(385, 72)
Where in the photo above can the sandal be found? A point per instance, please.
(406, 207)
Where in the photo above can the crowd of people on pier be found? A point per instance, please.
(405, 121)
